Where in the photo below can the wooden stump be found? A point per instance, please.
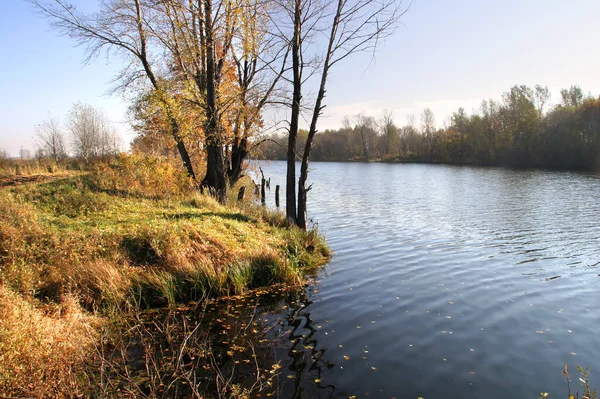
(277, 196)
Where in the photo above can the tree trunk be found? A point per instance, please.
(215, 162)
(183, 153)
(302, 189)
(290, 187)
(185, 157)
(239, 151)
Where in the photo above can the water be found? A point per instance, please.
(452, 282)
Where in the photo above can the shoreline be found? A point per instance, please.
(83, 255)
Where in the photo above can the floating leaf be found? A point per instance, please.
(346, 357)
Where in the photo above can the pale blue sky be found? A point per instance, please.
(447, 53)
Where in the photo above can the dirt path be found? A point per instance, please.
(17, 180)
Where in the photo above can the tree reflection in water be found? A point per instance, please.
(264, 345)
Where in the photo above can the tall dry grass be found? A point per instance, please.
(43, 349)
(88, 250)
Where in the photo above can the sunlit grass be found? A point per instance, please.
(80, 249)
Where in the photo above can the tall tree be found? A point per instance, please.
(120, 26)
(355, 26)
(260, 59)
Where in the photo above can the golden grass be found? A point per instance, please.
(79, 248)
(42, 352)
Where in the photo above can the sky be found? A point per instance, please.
(446, 54)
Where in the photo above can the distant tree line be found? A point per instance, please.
(521, 130)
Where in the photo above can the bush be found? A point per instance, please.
(142, 176)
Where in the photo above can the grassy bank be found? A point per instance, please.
(80, 251)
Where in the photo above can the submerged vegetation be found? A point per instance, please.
(83, 253)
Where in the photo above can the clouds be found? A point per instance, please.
(442, 109)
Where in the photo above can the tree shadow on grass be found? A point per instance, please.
(203, 215)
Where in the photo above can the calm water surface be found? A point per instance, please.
(452, 282)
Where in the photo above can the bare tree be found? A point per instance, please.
(349, 27)
(120, 26)
(366, 127)
(51, 139)
(428, 129)
(389, 130)
(542, 97)
(92, 135)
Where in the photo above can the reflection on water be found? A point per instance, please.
(264, 344)
(447, 282)
(454, 282)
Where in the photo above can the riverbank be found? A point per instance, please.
(83, 255)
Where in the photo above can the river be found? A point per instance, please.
(452, 282)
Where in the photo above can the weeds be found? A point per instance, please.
(82, 255)
(587, 391)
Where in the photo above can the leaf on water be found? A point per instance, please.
(373, 368)
(317, 380)
(358, 327)
(290, 376)
(346, 357)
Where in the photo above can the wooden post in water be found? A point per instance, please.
(277, 196)
(263, 183)
(241, 193)
(269, 183)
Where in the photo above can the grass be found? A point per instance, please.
(83, 250)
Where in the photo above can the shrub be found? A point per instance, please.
(142, 176)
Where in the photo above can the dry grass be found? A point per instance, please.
(80, 250)
(42, 349)
(28, 167)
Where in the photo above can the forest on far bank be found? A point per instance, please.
(520, 130)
